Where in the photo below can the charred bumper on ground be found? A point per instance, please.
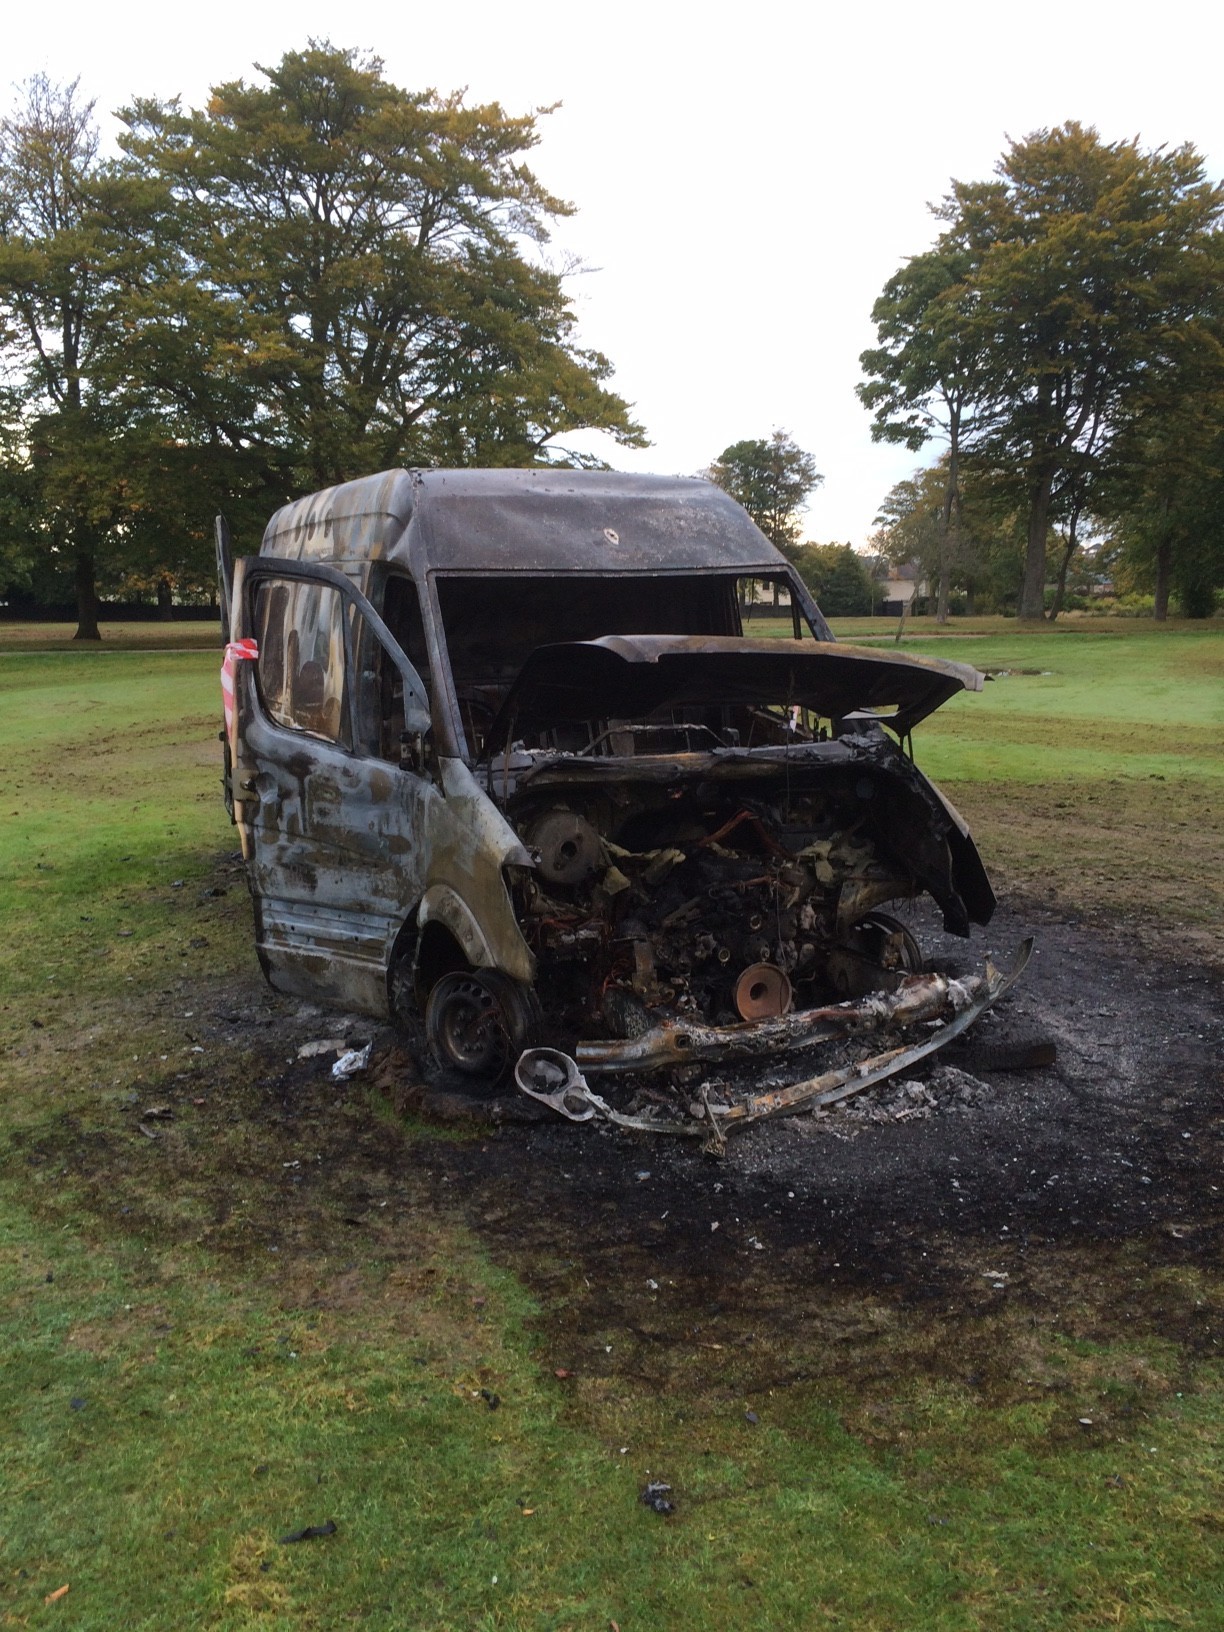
(924, 1015)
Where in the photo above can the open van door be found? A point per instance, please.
(225, 573)
(334, 785)
(225, 595)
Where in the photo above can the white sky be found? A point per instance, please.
(746, 177)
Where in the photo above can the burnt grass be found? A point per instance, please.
(1083, 1199)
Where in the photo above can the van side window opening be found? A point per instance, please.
(380, 686)
(401, 612)
(301, 657)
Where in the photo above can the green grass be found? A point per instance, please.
(116, 637)
(165, 1424)
(230, 1393)
(110, 797)
(1094, 768)
(1080, 706)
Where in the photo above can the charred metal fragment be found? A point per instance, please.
(554, 1079)
(675, 1043)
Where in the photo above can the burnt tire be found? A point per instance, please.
(477, 1023)
(883, 931)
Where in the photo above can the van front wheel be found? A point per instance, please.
(478, 1022)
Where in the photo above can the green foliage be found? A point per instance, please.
(335, 278)
(772, 478)
(52, 312)
(982, 556)
(928, 376)
(838, 577)
(20, 521)
(926, 372)
(1062, 299)
(1095, 263)
(908, 528)
(1164, 496)
(315, 276)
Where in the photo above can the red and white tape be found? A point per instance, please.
(237, 651)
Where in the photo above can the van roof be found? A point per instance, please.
(542, 520)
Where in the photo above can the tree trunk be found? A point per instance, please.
(165, 600)
(1060, 585)
(1032, 591)
(1164, 565)
(86, 598)
(1060, 589)
(948, 540)
(945, 588)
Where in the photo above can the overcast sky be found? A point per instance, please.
(746, 178)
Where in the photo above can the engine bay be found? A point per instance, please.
(718, 901)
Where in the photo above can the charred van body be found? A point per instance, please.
(503, 759)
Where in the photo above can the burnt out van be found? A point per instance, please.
(505, 764)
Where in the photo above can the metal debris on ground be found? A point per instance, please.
(310, 1532)
(947, 1088)
(350, 1063)
(655, 1496)
(324, 1045)
(713, 1109)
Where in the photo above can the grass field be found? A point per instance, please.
(185, 1379)
(190, 636)
(1092, 768)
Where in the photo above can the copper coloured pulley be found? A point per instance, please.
(762, 992)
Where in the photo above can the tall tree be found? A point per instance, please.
(1164, 501)
(336, 278)
(772, 478)
(927, 377)
(1092, 262)
(908, 531)
(52, 300)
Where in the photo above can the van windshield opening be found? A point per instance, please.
(494, 623)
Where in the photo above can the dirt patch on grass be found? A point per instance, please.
(1095, 843)
(1076, 1206)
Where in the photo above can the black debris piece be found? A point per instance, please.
(311, 1533)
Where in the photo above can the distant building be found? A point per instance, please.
(896, 588)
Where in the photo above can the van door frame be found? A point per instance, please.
(301, 934)
(256, 568)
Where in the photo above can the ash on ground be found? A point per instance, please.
(944, 1090)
